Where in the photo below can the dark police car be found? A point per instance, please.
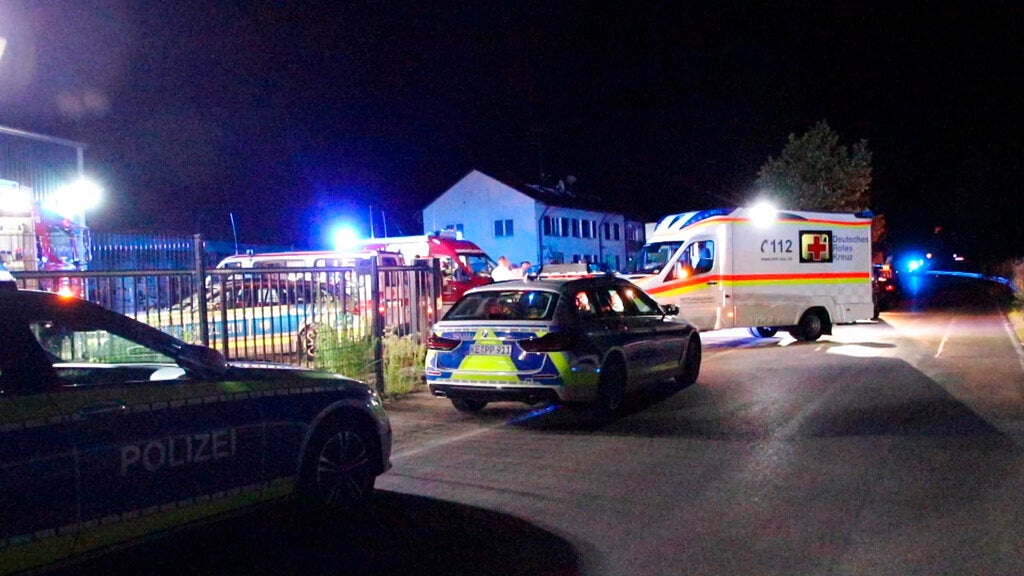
(111, 429)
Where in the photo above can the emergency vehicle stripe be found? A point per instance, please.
(696, 283)
(29, 551)
(730, 219)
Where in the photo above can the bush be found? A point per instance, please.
(403, 363)
(353, 357)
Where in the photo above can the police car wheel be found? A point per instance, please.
(309, 338)
(611, 390)
(466, 405)
(339, 468)
(691, 363)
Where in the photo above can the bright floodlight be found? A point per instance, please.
(3, 44)
(343, 238)
(762, 214)
(74, 199)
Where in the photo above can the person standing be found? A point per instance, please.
(524, 269)
(502, 271)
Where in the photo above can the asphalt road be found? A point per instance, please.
(887, 448)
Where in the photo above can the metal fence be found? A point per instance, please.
(324, 317)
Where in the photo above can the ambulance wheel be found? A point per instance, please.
(763, 331)
(467, 405)
(309, 339)
(810, 327)
(611, 388)
(691, 363)
(338, 470)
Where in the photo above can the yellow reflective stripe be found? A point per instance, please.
(761, 283)
(561, 362)
(45, 409)
(38, 550)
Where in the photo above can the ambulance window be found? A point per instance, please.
(705, 256)
(697, 258)
(653, 257)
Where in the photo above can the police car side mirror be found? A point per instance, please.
(206, 363)
(670, 309)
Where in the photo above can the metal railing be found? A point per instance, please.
(298, 316)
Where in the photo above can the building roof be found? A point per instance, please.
(563, 193)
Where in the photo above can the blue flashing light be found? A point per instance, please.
(915, 265)
(343, 237)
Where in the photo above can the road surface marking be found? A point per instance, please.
(945, 338)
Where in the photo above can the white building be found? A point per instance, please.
(534, 223)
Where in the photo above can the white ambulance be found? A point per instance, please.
(760, 268)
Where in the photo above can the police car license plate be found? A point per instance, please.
(491, 349)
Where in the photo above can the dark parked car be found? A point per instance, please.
(885, 287)
(111, 429)
(568, 338)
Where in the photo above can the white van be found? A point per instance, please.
(759, 268)
(311, 259)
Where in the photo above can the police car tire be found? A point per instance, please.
(691, 363)
(611, 389)
(338, 470)
(467, 405)
(309, 339)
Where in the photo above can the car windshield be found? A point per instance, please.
(653, 257)
(479, 263)
(505, 305)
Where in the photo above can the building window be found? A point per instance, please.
(575, 228)
(607, 231)
(588, 228)
(564, 230)
(502, 228)
(549, 226)
(615, 231)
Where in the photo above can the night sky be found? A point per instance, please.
(292, 114)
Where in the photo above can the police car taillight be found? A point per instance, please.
(551, 342)
(435, 342)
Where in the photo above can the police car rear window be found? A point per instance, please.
(505, 305)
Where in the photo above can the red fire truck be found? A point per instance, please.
(32, 239)
(464, 265)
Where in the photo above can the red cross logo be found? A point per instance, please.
(818, 249)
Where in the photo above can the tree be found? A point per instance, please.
(815, 172)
